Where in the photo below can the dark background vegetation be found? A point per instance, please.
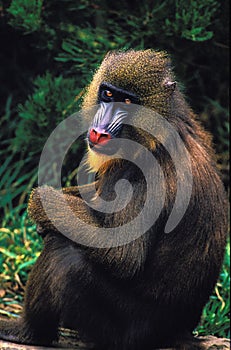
(49, 51)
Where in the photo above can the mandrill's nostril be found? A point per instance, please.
(98, 137)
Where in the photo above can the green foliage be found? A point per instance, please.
(192, 19)
(14, 186)
(216, 315)
(86, 43)
(26, 14)
(15, 183)
(53, 99)
(19, 249)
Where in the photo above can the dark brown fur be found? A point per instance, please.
(148, 293)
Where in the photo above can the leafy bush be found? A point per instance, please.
(192, 19)
(53, 99)
(26, 14)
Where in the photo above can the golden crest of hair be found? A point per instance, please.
(146, 73)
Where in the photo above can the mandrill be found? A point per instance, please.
(129, 291)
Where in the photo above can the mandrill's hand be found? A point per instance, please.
(41, 231)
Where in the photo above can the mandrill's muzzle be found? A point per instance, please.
(107, 125)
(98, 136)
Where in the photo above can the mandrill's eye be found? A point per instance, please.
(128, 101)
(108, 93)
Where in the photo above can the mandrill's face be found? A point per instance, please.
(114, 122)
(109, 120)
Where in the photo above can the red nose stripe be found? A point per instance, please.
(99, 137)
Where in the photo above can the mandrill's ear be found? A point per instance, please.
(169, 85)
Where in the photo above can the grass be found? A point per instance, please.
(20, 247)
(216, 315)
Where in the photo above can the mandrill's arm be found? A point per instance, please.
(65, 212)
(35, 203)
(47, 207)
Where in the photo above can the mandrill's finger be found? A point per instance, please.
(42, 231)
